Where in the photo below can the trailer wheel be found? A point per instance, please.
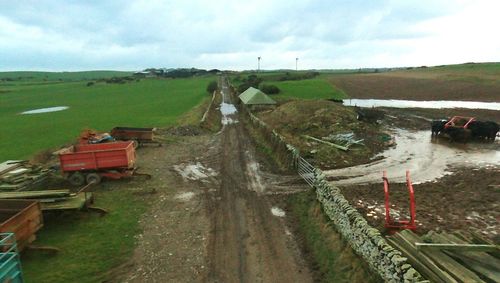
(93, 178)
(76, 179)
(135, 143)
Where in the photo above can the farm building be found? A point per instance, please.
(255, 98)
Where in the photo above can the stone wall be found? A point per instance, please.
(365, 240)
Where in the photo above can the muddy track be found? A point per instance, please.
(246, 243)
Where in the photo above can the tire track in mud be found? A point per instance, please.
(247, 243)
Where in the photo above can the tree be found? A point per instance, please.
(270, 89)
(212, 86)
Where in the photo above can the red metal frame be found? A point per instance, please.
(452, 121)
(102, 156)
(399, 224)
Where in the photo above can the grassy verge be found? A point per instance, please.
(90, 245)
(333, 259)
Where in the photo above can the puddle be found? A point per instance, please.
(184, 196)
(276, 211)
(45, 110)
(195, 171)
(227, 109)
(437, 104)
(426, 158)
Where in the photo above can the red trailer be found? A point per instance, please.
(91, 162)
(138, 135)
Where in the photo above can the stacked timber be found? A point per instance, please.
(444, 257)
(17, 175)
(51, 200)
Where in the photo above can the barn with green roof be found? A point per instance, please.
(254, 97)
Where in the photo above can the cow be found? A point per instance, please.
(457, 134)
(437, 126)
(484, 130)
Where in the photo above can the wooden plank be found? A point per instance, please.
(482, 263)
(9, 165)
(34, 194)
(73, 203)
(459, 247)
(328, 143)
(445, 262)
(443, 274)
(417, 263)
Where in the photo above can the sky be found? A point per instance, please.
(131, 35)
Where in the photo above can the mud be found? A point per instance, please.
(247, 243)
(426, 157)
(467, 201)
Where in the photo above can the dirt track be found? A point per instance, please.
(247, 242)
(212, 221)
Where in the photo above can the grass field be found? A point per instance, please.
(150, 102)
(55, 76)
(308, 89)
(89, 244)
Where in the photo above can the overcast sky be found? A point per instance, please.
(231, 34)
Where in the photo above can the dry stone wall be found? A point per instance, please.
(365, 240)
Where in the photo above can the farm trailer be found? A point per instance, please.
(138, 135)
(21, 217)
(92, 162)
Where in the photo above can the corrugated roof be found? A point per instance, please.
(253, 96)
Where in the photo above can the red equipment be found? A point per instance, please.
(399, 224)
(459, 122)
(90, 162)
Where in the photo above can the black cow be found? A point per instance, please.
(370, 115)
(437, 126)
(458, 134)
(484, 130)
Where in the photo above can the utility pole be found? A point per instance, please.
(296, 63)
(258, 64)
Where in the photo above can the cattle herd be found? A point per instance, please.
(473, 129)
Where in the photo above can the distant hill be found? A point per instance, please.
(64, 76)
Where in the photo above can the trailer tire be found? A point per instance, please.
(76, 179)
(135, 143)
(93, 178)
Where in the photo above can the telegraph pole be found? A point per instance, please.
(258, 64)
(296, 64)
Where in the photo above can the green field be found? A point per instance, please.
(147, 103)
(89, 244)
(308, 89)
(55, 76)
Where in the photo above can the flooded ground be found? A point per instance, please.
(437, 104)
(426, 158)
(45, 110)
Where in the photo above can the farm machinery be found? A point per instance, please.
(399, 224)
(138, 136)
(91, 162)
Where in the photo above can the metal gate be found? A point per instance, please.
(306, 171)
